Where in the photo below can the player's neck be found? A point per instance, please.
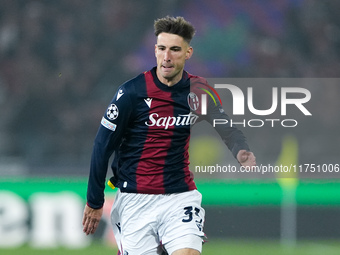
(169, 81)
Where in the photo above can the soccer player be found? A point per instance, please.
(147, 127)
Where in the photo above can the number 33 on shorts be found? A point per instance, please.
(192, 213)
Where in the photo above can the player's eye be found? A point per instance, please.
(176, 49)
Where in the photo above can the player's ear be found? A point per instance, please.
(189, 53)
(155, 49)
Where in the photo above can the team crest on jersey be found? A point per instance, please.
(112, 112)
(193, 101)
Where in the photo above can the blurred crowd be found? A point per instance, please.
(61, 61)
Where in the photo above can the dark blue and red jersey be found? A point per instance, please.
(147, 128)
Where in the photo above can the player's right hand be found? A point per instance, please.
(91, 219)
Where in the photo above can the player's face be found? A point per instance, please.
(171, 53)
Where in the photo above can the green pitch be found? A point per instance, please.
(213, 247)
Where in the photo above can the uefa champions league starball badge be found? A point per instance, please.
(112, 112)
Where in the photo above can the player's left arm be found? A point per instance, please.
(231, 136)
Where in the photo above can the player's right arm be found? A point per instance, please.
(108, 139)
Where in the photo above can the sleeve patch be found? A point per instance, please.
(112, 112)
(108, 124)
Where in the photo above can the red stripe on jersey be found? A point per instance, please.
(150, 169)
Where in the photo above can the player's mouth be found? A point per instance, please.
(167, 68)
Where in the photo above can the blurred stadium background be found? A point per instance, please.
(60, 64)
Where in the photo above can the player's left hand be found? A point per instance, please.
(91, 219)
(246, 158)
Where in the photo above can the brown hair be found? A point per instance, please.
(178, 26)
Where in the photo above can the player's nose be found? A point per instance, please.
(166, 56)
